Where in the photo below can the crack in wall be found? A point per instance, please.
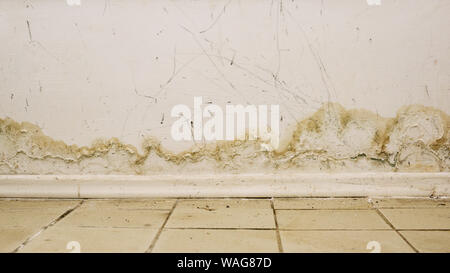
(332, 139)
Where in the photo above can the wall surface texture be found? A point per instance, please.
(89, 89)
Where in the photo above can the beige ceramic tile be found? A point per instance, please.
(131, 204)
(330, 219)
(27, 218)
(56, 239)
(37, 204)
(410, 203)
(343, 241)
(429, 241)
(191, 240)
(224, 203)
(418, 218)
(222, 214)
(321, 203)
(92, 217)
(11, 238)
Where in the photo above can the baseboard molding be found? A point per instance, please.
(241, 185)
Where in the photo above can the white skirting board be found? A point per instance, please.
(239, 185)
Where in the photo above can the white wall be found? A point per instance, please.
(115, 68)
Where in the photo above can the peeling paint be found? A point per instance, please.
(333, 139)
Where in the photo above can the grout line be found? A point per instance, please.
(52, 223)
(321, 197)
(280, 245)
(275, 229)
(329, 209)
(127, 209)
(413, 198)
(417, 208)
(333, 229)
(152, 245)
(393, 227)
(424, 229)
(218, 228)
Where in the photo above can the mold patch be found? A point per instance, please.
(333, 139)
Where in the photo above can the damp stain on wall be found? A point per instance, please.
(333, 139)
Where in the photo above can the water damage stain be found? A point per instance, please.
(333, 139)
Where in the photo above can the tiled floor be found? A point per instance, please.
(226, 225)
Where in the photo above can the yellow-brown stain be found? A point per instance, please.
(332, 139)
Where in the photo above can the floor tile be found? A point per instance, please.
(55, 239)
(330, 219)
(130, 204)
(434, 218)
(225, 203)
(195, 240)
(37, 204)
(321, 203)
(92, 217)
(222, 214)
(342, 241)
(429, 241)
(410, 203)
(11, 238)
(27, 218)
(226, 225)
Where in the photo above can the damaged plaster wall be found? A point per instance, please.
(88, 89)
(333, 139)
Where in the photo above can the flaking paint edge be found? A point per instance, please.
(333, 139)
